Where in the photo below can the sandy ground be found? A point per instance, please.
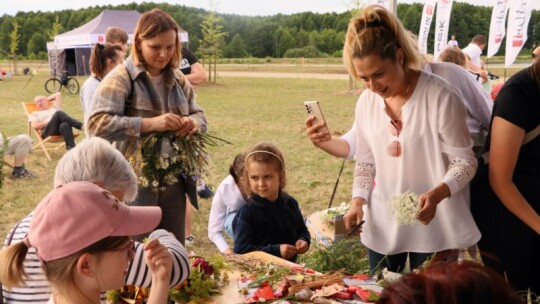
(282, 75)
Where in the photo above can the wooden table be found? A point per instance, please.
(230, 292)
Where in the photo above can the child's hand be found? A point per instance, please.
(159, 260)
(287, 251)
(301, 246)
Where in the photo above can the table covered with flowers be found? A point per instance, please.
(259, 277)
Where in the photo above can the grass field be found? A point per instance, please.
(241, 110)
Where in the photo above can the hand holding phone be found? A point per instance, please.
(354, 229)
(314, 108)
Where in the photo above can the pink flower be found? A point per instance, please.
(203, 266)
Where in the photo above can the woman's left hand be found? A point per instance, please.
(428, 202)
(428, 208)
(188, 126)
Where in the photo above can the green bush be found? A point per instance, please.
(306, 52)
(347, 254)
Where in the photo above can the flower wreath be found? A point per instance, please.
(164, 157)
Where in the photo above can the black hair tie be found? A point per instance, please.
(100, 46)
(373, 23)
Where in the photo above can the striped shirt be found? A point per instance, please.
(37, 288)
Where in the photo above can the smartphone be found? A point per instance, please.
(314, 108)
(355, 228)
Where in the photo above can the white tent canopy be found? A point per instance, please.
(70, 51)
(94, 31)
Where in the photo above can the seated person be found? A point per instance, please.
(271, 221)
(225, 204)
(81, 260)
(52, 120)
(94, 160)
(19, 146)
(450, 283)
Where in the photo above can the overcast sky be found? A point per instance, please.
(240, 7)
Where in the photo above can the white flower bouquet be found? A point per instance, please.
(405, 207)
(164, 157)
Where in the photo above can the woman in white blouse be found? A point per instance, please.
(226, 202)
(411, 135)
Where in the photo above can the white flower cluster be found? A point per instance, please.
(334, 213)
(405, 208)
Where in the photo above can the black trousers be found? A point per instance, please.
(172, 202)
(61, 124)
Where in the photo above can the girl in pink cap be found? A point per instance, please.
(80, 261)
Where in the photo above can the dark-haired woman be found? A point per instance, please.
(507, 213)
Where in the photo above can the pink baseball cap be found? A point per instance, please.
(76, 215)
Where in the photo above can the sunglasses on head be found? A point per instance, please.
(394, 148)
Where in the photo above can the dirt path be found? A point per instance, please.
(282, 75)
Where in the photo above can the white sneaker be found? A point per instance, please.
(190, 240)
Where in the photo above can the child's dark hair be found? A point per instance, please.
(264, 153)
(237, 167)
(100, 55)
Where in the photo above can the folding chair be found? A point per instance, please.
(30, 107)
(7, 164)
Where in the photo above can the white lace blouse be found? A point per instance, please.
(436, 147)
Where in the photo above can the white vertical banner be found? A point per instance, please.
(442, 24)
(518, 20)
(497, 27)
(425, 25)
(383, 3)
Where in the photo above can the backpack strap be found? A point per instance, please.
(529, 136)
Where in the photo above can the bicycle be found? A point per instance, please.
(55, 84)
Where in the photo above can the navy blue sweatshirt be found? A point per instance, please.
(263, 225)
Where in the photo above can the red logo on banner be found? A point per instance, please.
(517, 41)
(429, 10)
(101, 39)
(446, 1)
(498, 38)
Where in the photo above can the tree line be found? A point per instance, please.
(298, 35)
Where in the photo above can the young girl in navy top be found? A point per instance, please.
(271, 221)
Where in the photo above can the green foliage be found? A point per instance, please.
(212, 33)
(37, 44)
(3, 149)
(236, 48)
(347, 254)
(284, 41)
(325, 31)
(14, 38)
(56, 28)
(306, 52)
